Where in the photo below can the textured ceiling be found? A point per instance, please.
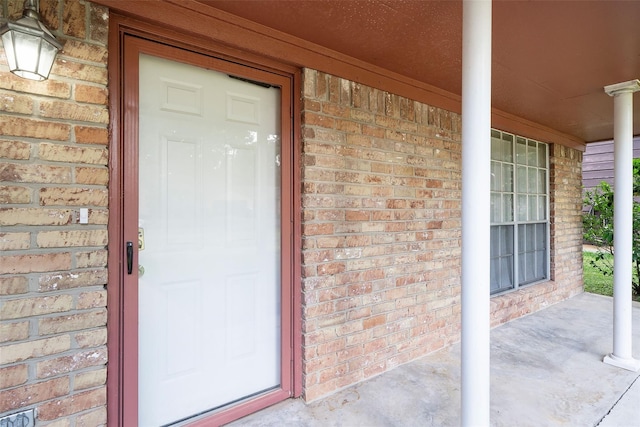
(551, 59)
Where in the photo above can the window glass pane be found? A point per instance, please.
(521, 151)
(541, 236)
(507, 177)
(533, 208)
(521, 238)
(507, 150)
(542, 181)
(530, 273)
(495, 273)
(541, 265)
(495, 241)
(506, 273)
(533, 180)
(542, 155)
(531, 236)
(507, 207)
(496, 207)
(496, 149)
(532, 153)
(506, 236)
(496, 176)
(522, 266)
(522, 179)
(542, 207)
(522, 208)
(495, 133)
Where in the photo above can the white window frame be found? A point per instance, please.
(504, 192)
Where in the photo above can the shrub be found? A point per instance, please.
(598, 227)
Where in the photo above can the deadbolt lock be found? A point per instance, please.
(140, 238)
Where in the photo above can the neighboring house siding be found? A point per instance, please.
(381, 178)
(598, 162)
(53, 160)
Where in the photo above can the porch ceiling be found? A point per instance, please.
(551, 60)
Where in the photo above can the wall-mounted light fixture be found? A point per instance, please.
(29, 45)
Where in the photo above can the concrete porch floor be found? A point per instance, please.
(546, 370)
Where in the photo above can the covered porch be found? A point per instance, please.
(546, 369)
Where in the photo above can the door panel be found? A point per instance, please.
(209, 308)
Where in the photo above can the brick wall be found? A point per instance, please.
(53, 161)
(566, 210)
(381, 231)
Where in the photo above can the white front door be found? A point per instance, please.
(209, 210)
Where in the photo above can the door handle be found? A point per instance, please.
(129, 257)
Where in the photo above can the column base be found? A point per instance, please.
(629, 364)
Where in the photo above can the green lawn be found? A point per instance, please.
(595, 281)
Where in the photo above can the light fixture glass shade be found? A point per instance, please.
(30, 48)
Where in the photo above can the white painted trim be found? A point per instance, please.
(630, 86)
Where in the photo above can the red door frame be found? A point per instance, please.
(127, 39)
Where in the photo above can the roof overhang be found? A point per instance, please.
(551, 60)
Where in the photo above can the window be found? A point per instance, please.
(519, 211)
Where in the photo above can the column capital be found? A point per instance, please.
(624, 87)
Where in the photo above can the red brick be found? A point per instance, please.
(74, 322)
(73, 19)
(34, 216)
(27, 307)
(94, 418)
(12, 376)
(15, 264)
(51, 87)
(16, 331)
(79, 49)
(94, 176)
(98, 23)
(20, 172)
(23, 351)
(73, 154)
(80, 71)
(91, 135)
(92, 338)
(95, 299)
(90, 379)
(20, 397)
(15, 241)
(72, 279)
(75, 112)
(75, 362)
(91, 259)
(73, 196)
(11, 194)
(18, 126)
(17, 150)
(61, 239)
(72, 404)
(312, 119)
(49, 12)
(374, 321)
(12, 103)
(13, 285)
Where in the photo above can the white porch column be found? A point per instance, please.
(622, 223)
(476, 173)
